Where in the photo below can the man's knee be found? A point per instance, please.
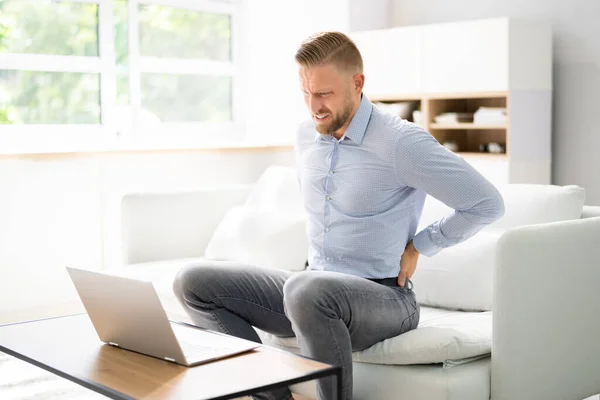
(195, 281)
(308, 292)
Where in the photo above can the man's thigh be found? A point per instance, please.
(371, 311)
(380, 312)
(252, 293)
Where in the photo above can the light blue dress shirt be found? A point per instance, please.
(364, 194)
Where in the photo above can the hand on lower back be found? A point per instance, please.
(408, 263)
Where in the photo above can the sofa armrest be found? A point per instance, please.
(546, 306)
(162, 226)
(590, 212)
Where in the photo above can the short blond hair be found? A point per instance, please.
(330, 47)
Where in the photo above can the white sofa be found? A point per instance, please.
(542, 279)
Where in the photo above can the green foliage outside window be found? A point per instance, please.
(44, 27)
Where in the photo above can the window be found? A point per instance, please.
(128, 67)
(34, 93)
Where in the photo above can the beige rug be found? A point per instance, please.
(20, 380)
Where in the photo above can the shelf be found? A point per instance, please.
(480, 154)
(465, 125)
(437, 96)
(396, 98)
(466, 95)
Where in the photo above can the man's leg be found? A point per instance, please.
(233, 298)
(334, 314)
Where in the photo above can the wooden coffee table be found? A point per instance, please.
(69, 347)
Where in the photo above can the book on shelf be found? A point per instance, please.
(491, 116)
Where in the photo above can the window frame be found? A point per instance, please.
(27, 138)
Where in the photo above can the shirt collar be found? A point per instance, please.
(358, 126)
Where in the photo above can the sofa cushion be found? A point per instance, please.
(461, 277)
(443, 336)
(525, 204)
(265, 238)
(277, 189)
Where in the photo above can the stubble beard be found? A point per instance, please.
(338, 121)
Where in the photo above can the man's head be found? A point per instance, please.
(331, 75)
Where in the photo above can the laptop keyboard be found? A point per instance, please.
(188, 340)
(194, 350)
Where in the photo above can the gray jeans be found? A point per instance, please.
(330, 313)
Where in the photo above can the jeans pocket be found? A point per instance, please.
(411, 322)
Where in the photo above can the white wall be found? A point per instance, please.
(63, 210)
(274, 102)
(367, 15)
(275, 30)
(576, 81)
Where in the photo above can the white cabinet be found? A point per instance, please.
(465, 57)
(491, 55)
(391, 52)
(494, 168)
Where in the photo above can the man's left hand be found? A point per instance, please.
(408, 263)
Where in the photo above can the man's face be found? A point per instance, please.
(329, 95)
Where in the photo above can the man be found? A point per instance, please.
(364, 176)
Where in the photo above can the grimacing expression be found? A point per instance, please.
(328, 96)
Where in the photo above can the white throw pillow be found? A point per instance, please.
(262, 238)
(277, 189)
(459, 277)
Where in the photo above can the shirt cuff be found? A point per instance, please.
(424, 245)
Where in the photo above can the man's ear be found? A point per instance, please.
(359, 82)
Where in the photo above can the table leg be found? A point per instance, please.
(338, 384)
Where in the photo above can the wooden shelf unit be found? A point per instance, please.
(465, 125)
(468, 135)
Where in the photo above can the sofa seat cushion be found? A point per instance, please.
(443, 336)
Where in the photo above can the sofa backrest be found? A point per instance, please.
(525, 204)
(162, 226)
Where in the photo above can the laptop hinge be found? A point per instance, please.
(113, 344)
(170, 359)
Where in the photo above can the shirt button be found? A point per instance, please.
(328, 259)
(331, 172)
(328, 197)
(326, 229)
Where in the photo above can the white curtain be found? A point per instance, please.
(275, 28)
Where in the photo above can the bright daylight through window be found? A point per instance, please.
(125, 66)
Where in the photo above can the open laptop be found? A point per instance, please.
(127, 313)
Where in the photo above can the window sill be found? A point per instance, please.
(134, 145)
(23, 140)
